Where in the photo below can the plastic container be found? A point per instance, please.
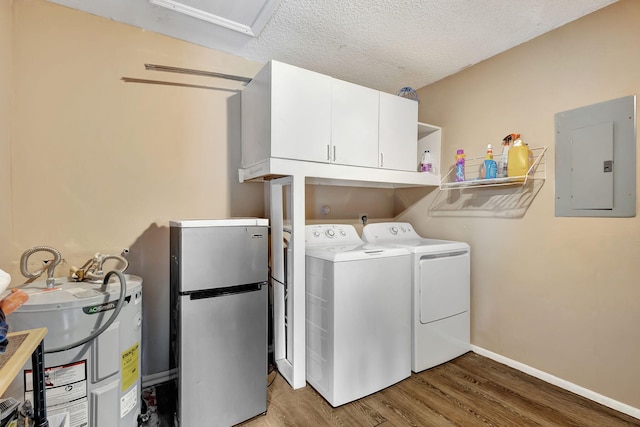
(489, 168)
(518, 164)
(426, 164)
(409, 93)
(503, 162)
(531, 157)
(460, 166)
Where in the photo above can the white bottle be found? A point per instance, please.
(426, 164)
(504, 159)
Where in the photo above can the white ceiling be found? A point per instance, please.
(382, 44)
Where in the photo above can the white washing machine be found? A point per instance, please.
(440, 329)
(358, 314)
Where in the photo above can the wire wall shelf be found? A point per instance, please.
(473, 166)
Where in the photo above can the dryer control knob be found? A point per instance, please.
(394, 230)
(331, 233)
(343, 233)
(316, 234)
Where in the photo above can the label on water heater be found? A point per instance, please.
(66, 391)
(128, 401)
(129, 366)
(77, 412)
(99, 308)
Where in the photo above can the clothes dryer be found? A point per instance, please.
(440, 326)
(358, 305)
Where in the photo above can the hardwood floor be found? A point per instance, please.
(468, 391)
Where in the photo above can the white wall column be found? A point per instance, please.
(289, 330)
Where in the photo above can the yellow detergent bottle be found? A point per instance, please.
(518, 163)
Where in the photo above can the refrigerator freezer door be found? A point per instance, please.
(215, 257)
(223, 352)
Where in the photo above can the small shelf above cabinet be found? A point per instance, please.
(429, 138)
(473, 165)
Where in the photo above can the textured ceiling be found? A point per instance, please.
(382, 44)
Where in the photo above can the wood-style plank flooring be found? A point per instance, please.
(468, 391)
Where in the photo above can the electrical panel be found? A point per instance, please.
(595, 167)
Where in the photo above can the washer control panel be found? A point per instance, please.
(331, 234)
(389, 231)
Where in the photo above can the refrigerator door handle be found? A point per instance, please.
(228, 290)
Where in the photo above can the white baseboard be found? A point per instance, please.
(160, 377)
(551, 379)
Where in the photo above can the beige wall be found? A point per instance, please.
(99, 165)
(5, 121)
(347, 203)
(559, 294)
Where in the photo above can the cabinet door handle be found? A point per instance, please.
(328, 153)
(381, 160)
(334, 153)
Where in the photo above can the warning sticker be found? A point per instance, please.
(77, 413)
(128, 401)
(62, 375)
(66, 391)
(129, 366)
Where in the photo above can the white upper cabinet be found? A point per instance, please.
(397, 141)
(354, 124)
(293, 113)
(286, 113)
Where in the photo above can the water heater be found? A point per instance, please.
(96, 384)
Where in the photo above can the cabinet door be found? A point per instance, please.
(398, 138)
(354, 124)
(300, 113)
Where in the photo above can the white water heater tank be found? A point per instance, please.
(97, 383)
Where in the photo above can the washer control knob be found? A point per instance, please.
(330, 232)
(343, 233)
(316, 234)
(394, 230)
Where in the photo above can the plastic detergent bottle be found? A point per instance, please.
(531, 158)
(489, 166)
(518, 159)
(460, 166)
(426, 164)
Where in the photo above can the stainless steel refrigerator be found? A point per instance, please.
(219, 303)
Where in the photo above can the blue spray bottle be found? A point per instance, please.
(489, 167)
